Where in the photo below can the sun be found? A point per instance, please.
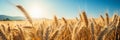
(35, 11)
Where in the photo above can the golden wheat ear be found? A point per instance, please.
(84, 18)
(55, 20)
(25, 13)
(114, 16)
(107, 19)
(94, 22)
(118, 23)
(77, 19)
(101, 17)
(64, 20)
(80, 17)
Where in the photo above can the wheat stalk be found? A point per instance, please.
(102, 33)
(92, 31)
(46, 35)
(117, 29)
(77, 19)
(114, 16)
(25, 13)
(21, 33)
(107, 18)
(64, 20)
(114, 20)
(102, 18)
(54, 35)
(118, 24)
(84, 18)
(94, 21)
(3, 35)
(56, 20)
(80, 17)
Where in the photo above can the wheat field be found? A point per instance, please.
(79, 28)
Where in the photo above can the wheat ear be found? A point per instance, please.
(25, 13)
(107, 18)
(84, 18)
(55, 20)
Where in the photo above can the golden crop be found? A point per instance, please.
(62, 29)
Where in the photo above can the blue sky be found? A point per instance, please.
(60, 8)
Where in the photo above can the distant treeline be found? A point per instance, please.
(8, 19)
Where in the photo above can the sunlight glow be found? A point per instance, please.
(39, 10)
(35, 11)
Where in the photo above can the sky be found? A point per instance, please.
(60, 8)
